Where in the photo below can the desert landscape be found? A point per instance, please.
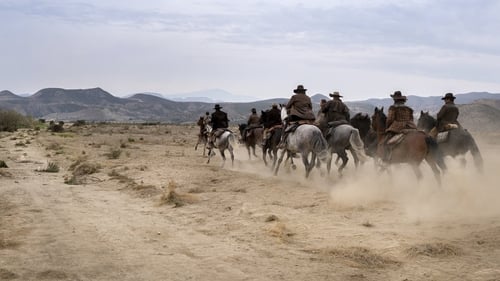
(137, 202)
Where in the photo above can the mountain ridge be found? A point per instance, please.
(96, 104)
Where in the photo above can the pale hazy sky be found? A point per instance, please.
(362, 48)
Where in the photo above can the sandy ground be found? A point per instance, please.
(135, 202)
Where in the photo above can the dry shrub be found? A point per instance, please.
(3, 164)
(355, 257)
(5, 174)
(7, 275)
(52, 167)
(280, 231)
(114, 153)
(80, 170)
(433, 250)
(171, 197)
(121, 178)
(54, 146)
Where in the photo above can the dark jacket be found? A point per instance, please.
(219, 120)
(336, 110)
(300, 107)
(399, 118)
(274, 117)
(447, 115)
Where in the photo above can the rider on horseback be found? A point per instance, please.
(446, 117)
(273, 120)
(299, 110)
(399, 121)
(252, 123)
(219, 123)
(336, 113)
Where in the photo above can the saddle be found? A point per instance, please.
(220, 131)
(333, 124)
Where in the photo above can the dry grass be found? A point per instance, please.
(171, 197)
(281, 231)
(355, 257)
(80, 170)
(435, 250)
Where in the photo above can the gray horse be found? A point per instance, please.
(344, 137)
(306, 139)
(223, 142)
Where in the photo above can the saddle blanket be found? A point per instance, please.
(442, 137)
(396, 139)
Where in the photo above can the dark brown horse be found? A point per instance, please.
(458, 142)
(202, 135)
(413, 149)
(252, 139)
(270, 147)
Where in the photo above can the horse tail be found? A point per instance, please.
(436, 153)
(357, 145)
(320, 146)
(476, 154)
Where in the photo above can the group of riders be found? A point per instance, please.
(334, 112)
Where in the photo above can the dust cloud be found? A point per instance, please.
(464, 194)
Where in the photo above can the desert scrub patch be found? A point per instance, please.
(114, 153)
(54, 146)
(433, 250)
(171, 197)
(3, 164)
(358, 257)
(51, 167)
(80, 170)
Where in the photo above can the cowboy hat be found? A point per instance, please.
(335, 94)
(300, 89)
(398, 96)
(217, 106)
(448, 96)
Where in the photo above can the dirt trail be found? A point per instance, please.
(243, 223)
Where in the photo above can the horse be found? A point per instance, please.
(412, 149)
(271, 145)
(253, 137)
(222, 142)
(363, 123)
(458, 142)
(343, 137)
(202, 135)
(306, 139)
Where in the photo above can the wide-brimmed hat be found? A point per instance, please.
(336, 94)
(398, 96)
(300, 89)
(217, 106)
(448, 96)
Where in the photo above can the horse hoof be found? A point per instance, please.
(294, 167)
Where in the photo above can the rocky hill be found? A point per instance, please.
(97, 104)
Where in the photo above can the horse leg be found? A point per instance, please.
(209, 155)
(274, 156)
(264, 151)
(279, 162)
(306, 163)
(230, 148)
(223, 157)
(329, 162)
(343, 155)
(253, 149)
(248, 150)
(416, 170)
(355, 157)
(434, 167)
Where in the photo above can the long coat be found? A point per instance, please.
(336, 110)
(447, 115)
(399, 118)
(253, 120)
(300, 106)
(274, 117)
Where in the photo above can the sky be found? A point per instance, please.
(361, 48)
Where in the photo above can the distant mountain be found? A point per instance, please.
(96, 104)
(209, 96)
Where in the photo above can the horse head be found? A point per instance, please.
(378, 120)
(362, 122)
(426, 122)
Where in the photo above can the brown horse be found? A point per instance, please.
(413, 149)
(202, 135)
(252, 139)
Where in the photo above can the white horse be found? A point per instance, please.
(306, 139)
(223, 142)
